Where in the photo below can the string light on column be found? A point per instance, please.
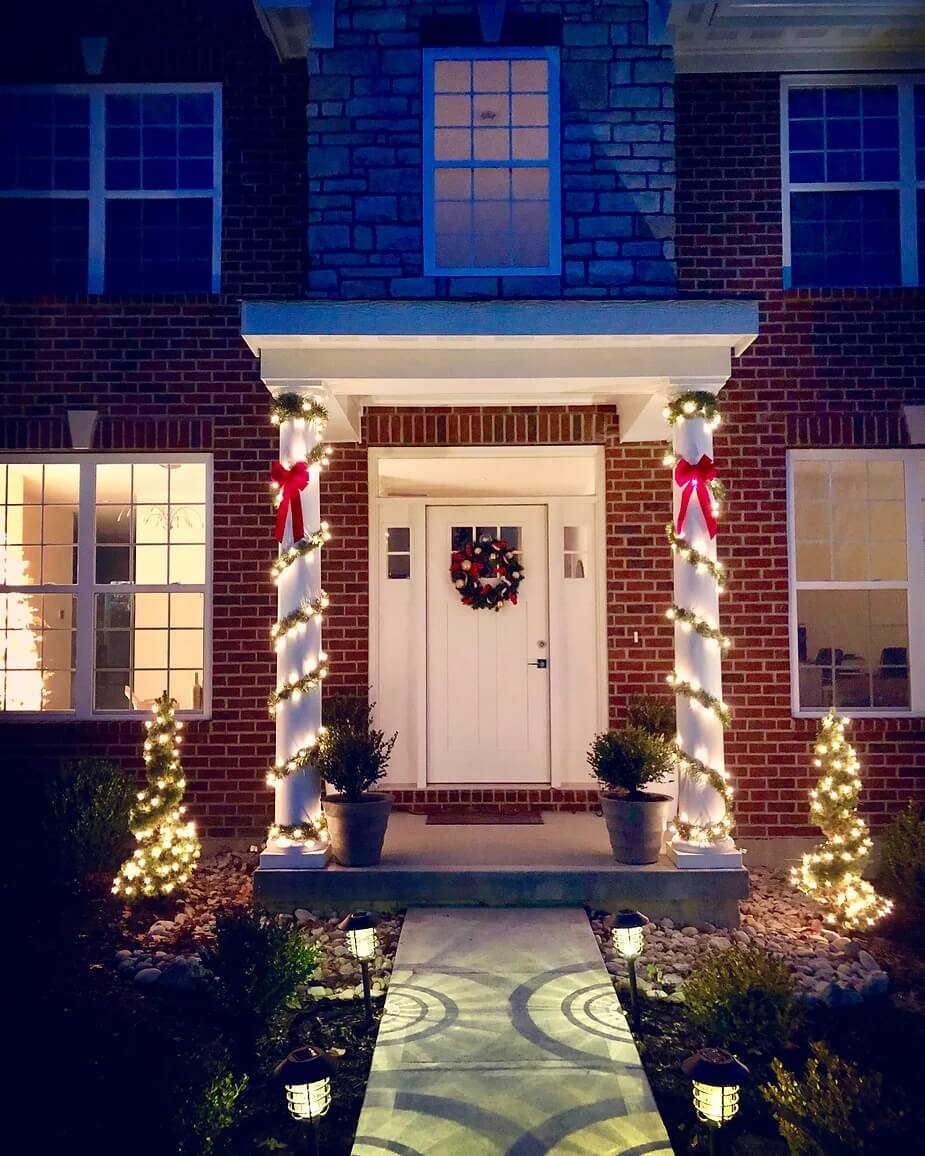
(698, 482)
(287, 483)
(832, 872)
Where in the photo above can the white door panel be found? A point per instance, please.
(487, 706)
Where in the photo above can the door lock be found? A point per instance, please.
(541, 663)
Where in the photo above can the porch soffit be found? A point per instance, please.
(499, 353)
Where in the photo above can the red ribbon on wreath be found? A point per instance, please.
(696, 479)
(468, 564)
(291, 483)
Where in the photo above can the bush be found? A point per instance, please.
(83, 817)
(258, 962)
(627, 760)
(652, 713)
(212, 1112)
(743, 998)
(352, 754)
(902, 858)
(833, 1110)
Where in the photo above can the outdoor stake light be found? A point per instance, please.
(306, 1075)
(628, 938)
(362, 940)
(717, 1076)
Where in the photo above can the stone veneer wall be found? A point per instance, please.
(365, 129)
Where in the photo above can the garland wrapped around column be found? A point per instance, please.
(299, 824)
(698, 486)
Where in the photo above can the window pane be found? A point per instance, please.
(149, 643)
(159, 246)
(920, 134)
(398, 538)
(854, 648)
(399, 565)
(44, 141)
(44, 245)
(37, 651)
(844, 134)
(159, 141)
(845, 238)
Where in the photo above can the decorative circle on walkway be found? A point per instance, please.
(414, 1013)
(594, 1009)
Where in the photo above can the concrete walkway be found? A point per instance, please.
(502, 1036)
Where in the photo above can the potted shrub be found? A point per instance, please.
(352, 757)
(624, 762)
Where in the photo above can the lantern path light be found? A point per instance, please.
(306, 1075)
(717, 1076)
(628, 936)
(362, 940)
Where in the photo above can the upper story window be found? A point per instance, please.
(853, 181)
(857, 580)
(491, 161)
(104, 583)
(110, 189)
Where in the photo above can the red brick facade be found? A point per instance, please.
(828, 369)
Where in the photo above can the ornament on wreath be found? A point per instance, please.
(486, 558)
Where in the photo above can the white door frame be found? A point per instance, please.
(415, 512)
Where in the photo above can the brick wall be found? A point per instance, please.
(830, 369)
(365, 155)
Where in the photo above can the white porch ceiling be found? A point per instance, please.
(445, 353)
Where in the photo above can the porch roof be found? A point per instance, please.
(412, 353)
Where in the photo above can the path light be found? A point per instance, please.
(628, 938)
(306, 1075)
(360, 927)
(717, 1076)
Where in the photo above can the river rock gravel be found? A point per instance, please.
(827, 967)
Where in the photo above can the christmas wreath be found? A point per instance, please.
(486, 558)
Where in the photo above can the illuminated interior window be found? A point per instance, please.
(575, 551)
(103, 606)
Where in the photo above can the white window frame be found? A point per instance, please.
(87, 587)
(907, 185)
(98, 194)
(553, 163)
(914, 582)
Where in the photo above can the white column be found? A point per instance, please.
(698, 661)
(298, 718)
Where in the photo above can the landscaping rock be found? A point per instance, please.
(148, 975)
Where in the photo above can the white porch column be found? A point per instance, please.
(701, 837)
(297, 838)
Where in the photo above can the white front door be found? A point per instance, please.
(487, 700)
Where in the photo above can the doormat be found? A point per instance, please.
(484, 818)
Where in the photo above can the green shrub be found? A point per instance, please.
(652, 713)
(258, 962)
(212, 1112)
(83, 817)
(627, 760)
(902, 858)
(743, 998)
(352, 754)
(832, 1110)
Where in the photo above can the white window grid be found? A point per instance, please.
(551, 164)
(87, 588)
(914, 584)
(907, 185)
(98, 194)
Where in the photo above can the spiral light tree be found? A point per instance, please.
(700, 834)
(297, 837)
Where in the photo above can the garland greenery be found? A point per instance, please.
(494, 558)
(300, 617)
(695, 558)
(303, 756)
(298, 550)
(693, 404)
(698, 694)
(699, 625)
(296, 687)
(308, 831)
(704, 833)
(290, 406)
(168, 846)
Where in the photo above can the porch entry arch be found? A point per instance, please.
(514, 724)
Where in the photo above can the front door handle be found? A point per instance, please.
(542, 663)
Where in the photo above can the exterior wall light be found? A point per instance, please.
(628, 938)
(362, 940)
(306, 1075)
(717, 1076)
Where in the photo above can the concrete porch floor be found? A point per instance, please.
(564, 862)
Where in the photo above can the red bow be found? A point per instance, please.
(696, 478)
(291, 483)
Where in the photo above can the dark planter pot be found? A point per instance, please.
(356, 830)
(635, 826)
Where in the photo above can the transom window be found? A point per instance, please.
(109, 188)
(104, 584)
(857, 531)
(853, 181)
(491, 161)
